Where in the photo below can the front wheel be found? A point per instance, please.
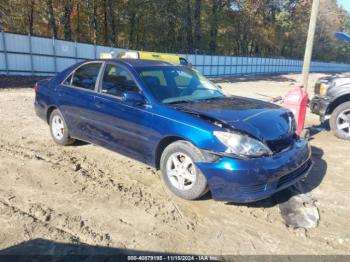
(179, 172)
(59, 129)
(340, 121)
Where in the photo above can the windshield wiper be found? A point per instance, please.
(180, 101)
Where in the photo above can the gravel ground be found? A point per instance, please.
(84, 194)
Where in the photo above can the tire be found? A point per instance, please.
(59, 130)
(339, 125)
(193, 188)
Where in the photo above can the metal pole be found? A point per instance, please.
(31, 54)
(211, 64)
(54, 54)
(195, 58)
(309, 43)
(76, 51)
(5, 52)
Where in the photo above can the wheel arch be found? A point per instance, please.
(163, 143)
(338, 101)
(49, 110)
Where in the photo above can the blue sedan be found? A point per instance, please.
(174, 119)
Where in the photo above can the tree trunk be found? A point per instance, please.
(92, 20)
(216, 5)
(105, 23)
(189, 37)
(67, 29)
(170, 38)
(51, 17)
(197, 24)
(132, 22)
(78, 23)
(31, 16)
(111, 19)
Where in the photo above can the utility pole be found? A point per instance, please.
(309, 43)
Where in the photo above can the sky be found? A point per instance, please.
(345, 4)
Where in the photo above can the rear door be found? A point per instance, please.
(123, 127)
(76, 100)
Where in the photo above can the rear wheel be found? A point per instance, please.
(59, 129)
(179, 172)
(340, 121)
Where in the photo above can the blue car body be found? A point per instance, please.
(143, 131)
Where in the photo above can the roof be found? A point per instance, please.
(142, 62)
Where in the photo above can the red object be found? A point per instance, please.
(36, 88)
(296, 101)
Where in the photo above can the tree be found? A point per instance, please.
(30, 15)
(66, 21)
(214, 24)
(51, 18)
(111, 23)
(231, 27)
(92, 20)
(197, 23)
(188, 26)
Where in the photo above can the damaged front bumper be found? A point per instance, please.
(248, 180)
(319, 106)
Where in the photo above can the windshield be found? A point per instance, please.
(178, 84)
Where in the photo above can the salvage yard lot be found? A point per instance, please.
(87, 194)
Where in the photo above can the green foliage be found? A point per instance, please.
(227, 27)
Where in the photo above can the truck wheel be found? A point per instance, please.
(179, 172)
(340, 121)
(59, 129)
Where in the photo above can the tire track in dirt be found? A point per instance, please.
(90, 175)
(33, 223)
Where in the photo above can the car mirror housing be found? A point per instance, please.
(134, 97)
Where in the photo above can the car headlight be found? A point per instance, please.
(242, 145)
(323, 89)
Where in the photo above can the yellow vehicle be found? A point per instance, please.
(171, 58)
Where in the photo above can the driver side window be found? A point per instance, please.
(117, 80)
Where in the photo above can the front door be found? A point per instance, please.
(123, 127)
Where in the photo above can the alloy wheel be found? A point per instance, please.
(57, 126)
(181, 171)
(343, 122)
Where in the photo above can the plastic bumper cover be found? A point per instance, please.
(248, 180)
(319, 105)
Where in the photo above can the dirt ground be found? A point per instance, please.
(87, 194)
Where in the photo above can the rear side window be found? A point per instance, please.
(86, 76)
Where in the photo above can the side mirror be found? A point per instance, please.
(134, 98)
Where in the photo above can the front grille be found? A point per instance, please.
(294, 175)
(317, 88)
(252, 189)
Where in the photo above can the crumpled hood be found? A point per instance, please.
(265, 121)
